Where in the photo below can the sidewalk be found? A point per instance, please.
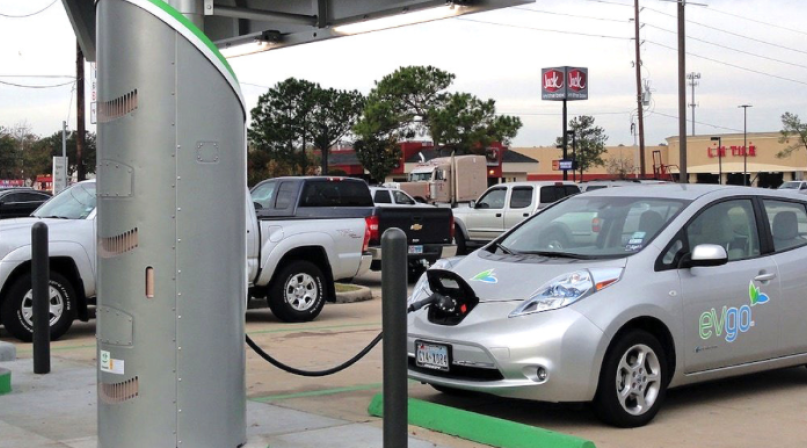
(58, 410)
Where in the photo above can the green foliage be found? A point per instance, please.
(25, 154)
(793, 134)
(378, 156)
(468, 124)
(293, 117)
(590, 143)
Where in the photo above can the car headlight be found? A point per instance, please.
(568, 288)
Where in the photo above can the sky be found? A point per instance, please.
(498, 55)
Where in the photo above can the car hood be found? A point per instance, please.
(16, 232)
(512, 278)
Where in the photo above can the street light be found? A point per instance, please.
(745, 142)
(719, 141)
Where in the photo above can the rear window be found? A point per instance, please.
(521, 197)
(551, 194)
(382, 197)
(336, 193)
(285, 196)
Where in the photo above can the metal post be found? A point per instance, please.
(640, 105)
(393, 318)
(40, 282)
(682, 101)
(745, 144)
(565, 140)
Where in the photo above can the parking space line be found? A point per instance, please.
(480, 428)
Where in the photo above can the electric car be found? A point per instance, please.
(614, 296)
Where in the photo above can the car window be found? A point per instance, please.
(382, 197)
(264, 194)
(570, 190)
(336, 193)
(551, 194)
(788, 221)
(493, 199)
(803, 187)
(77, 202)
(32, 197)
(729, 224)
(521, 197)
(595, 187)
(285, 196)
(403, 198)
(12, 198)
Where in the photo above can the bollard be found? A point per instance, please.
(393, 317)
(40, 285)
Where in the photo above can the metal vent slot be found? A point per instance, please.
(119, 392)
(116, 245)
(117, 108)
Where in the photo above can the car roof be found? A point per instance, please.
(535, 183)
(688, 192)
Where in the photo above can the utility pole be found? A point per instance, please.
(639, 90)
(682, 100)
(745, 143)
(693, 82)
(80, 126)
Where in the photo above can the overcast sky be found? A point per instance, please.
(502, 62)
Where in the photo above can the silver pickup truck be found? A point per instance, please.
(292, 262)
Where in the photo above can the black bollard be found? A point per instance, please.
(40, 283)
(393, 317)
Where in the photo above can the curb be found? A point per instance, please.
(5, 381)
(480, 428)
(8, 352)
(363, 294)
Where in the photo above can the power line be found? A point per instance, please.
(698, 122)
(650, 25)
(11, 16)
(544, 29)
(756, 21)
(720, 30)
(254, 85)
(730, 64)
(603, 19)
(35, 87)
(37, 76)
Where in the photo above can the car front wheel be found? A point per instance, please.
(298, 294)
(633, 381)
(17, 309)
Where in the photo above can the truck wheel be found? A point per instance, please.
(17, 309)
(459, 239)
(633, 381)
(298, 292)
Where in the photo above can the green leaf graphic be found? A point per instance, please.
(753, 293)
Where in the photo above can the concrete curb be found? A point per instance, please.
(8, 352)
(363, 294)
(480, 428)
(5, 381)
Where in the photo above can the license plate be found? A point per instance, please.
(431, 356)
(415, 249)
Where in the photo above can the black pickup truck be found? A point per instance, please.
(429, 230)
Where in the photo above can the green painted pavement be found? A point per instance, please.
(5, 381)
(480, 428)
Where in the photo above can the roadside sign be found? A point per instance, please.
(566, 165)
(564, 84)
(59, 174)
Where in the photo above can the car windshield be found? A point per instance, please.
(77, 202)
(594, 227)
(790, 186)
(419, 177)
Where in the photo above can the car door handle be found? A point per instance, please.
(764, 277)
(498, 215)
(526, 215)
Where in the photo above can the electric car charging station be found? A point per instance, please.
(171, 175)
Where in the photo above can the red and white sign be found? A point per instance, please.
(735, 151)
(564, 83)
(578, 80)
(553, 80)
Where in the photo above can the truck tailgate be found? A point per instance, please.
(423, 225)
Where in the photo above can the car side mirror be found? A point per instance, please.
(473, 203)
(708, 255)
(257, 205)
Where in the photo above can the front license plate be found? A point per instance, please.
(415, 249)
(431, 356)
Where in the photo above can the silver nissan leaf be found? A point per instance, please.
(617, 295)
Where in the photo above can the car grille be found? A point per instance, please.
(459, 372)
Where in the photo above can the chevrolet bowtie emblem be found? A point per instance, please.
(416, 227)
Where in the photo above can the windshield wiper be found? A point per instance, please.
(546, 253)
(505, 249)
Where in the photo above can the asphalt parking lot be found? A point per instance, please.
(761, 410)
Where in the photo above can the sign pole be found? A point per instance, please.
(565, 140)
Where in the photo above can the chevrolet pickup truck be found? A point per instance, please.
(293, 260)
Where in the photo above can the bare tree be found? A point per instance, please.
(621, 166)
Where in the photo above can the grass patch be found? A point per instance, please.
(343, 287)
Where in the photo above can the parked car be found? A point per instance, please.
(799, 186)
(428, 229)
(503, 206)
(391, 197)
(293, 255)
(19, 202)
(600, 184)
(660, 287)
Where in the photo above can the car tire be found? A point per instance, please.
(16, 309)
(298, 292)
(459, 239)
(633, 381)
